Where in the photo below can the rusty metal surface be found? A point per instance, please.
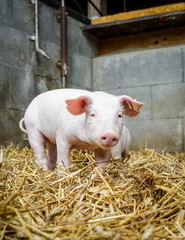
(62, 64)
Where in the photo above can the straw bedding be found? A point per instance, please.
(142, 197)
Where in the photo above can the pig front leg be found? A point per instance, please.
(102, 158)
(63, 153)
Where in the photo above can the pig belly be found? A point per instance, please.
(48, 133)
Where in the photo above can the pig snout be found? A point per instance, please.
(109, 139)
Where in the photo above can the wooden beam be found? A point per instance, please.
(135, 25)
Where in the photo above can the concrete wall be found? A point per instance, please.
(81, 49)
(25, 73)
(155, 77)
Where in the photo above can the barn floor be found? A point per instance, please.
(142, 197)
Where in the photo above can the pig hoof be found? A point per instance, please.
(51, 169)
(101, 168)
(41, 165)
(61, 171)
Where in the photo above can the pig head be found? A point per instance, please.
(69, 118)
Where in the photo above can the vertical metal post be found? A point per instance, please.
(63, 37)
(124, 6)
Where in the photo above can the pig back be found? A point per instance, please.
(43, 112)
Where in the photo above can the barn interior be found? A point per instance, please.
(119, 47)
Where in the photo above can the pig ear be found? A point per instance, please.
(79, 105)
(131, 106)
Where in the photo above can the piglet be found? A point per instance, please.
(71, 118)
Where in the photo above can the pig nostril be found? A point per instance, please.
(109, 140)
(114, 141)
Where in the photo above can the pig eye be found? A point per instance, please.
(120, 115)
(92, 114)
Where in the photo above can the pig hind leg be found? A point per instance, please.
(52, 156)
(37, 142)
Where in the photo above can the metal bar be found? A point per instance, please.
(63, 39)
(76, 15)
(124, 5)
(79, 7)
(64, 82)
(37, 32)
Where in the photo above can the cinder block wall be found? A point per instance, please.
(155, 77)
(24, 73)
